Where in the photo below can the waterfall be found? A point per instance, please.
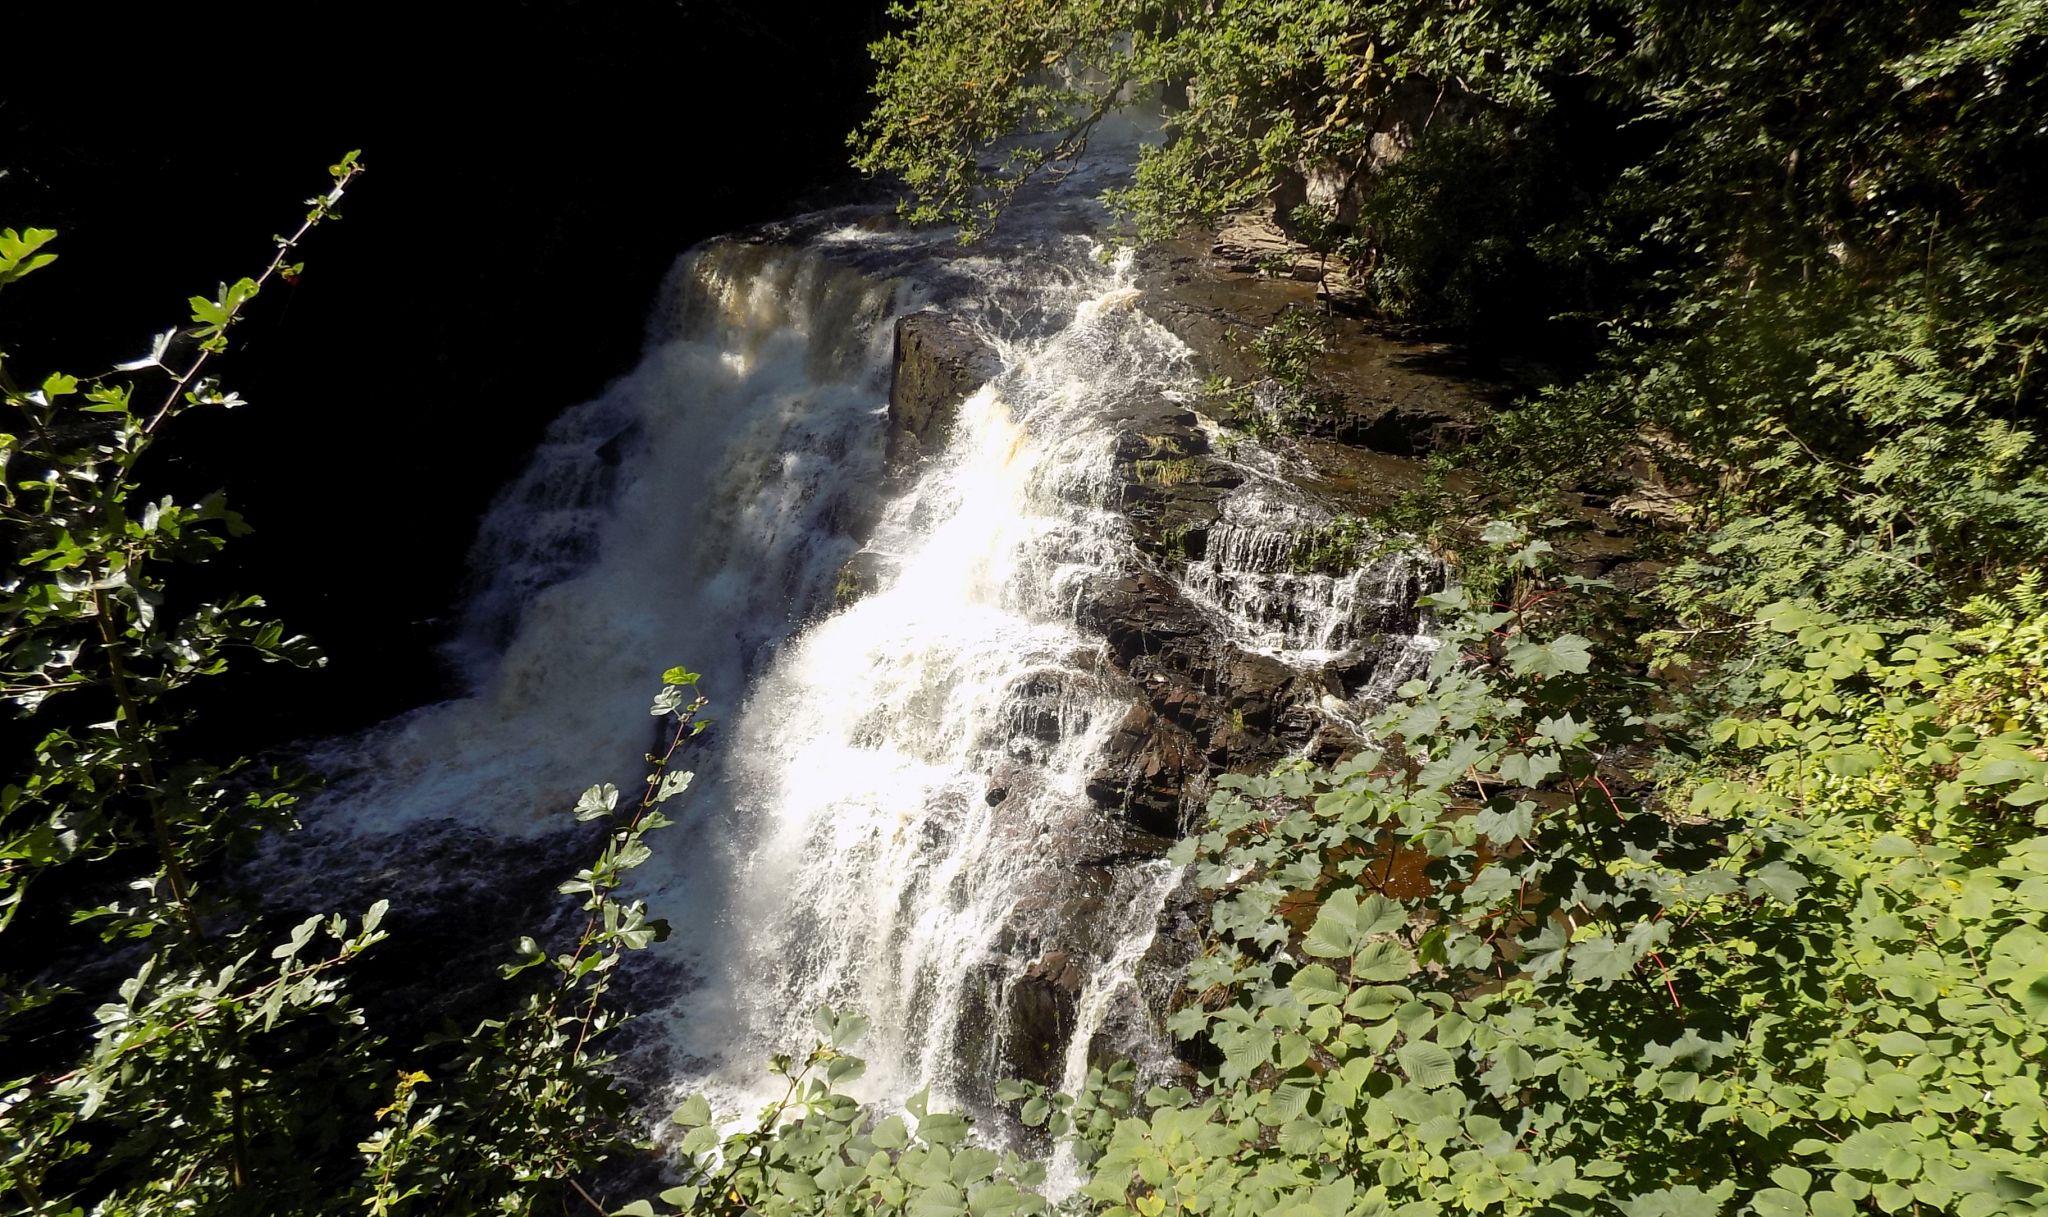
(912, 770)
(893, 814)
(695, 512)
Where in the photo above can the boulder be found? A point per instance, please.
(1150, 766)
(940, 361)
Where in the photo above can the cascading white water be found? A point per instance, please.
(889, 817)
(906, 821)
(693, 513)
(893, 816)
(1251, 576)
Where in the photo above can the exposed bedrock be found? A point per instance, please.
(1390, 395)
(940, 360)
(1212, 663)
(1204, 703)
(1171, 486)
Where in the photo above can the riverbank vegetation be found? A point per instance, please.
(1737, 883)
(186, 1050)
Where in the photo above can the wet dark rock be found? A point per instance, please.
(940, 360)
(1171, 487)
(1047, 706)
(1209, 706)
(858, 576)
(1379, 392)
(613, 451)
(1142, 614)
(1041, 1016)
(1147, 768)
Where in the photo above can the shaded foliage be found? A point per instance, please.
(169, 1049)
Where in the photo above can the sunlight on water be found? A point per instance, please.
(893, 814)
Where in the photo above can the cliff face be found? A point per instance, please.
(1232, 642)
(1210, 699)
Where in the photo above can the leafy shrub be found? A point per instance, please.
(1543, 948)
(182, 1053)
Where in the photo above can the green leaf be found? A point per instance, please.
(18, 256)
(1381, 961)
(1317, 985)
(673, 783)
(1793, 1179)
(1682, 1201)
(1301, 1136)
(1602, 960)
(1777, 880)
(1567, 653)
(597, 802)
(942, 1128)
(2035, 999)
(694, 1113)
(847, 1030)
(1344, 923)
(1427, 1065)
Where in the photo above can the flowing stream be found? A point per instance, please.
(891, 813)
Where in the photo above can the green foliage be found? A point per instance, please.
(1787, 266)
(1335, 548)
(529, 1104)
(967, 76)
(1165, 473)
(231, 1071)
(1262, 88)
(1799, 973)
(1543, 948)
(814, 1149)
(189, 1088)
(1289, 396)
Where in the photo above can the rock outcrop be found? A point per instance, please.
(1041, 1016)
(1388, 395)
(940, 360)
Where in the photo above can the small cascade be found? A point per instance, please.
(1104, 1026)
(1111, 1015)
(546, 527)
(1277, 592)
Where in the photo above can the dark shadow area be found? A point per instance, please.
(534, 169)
